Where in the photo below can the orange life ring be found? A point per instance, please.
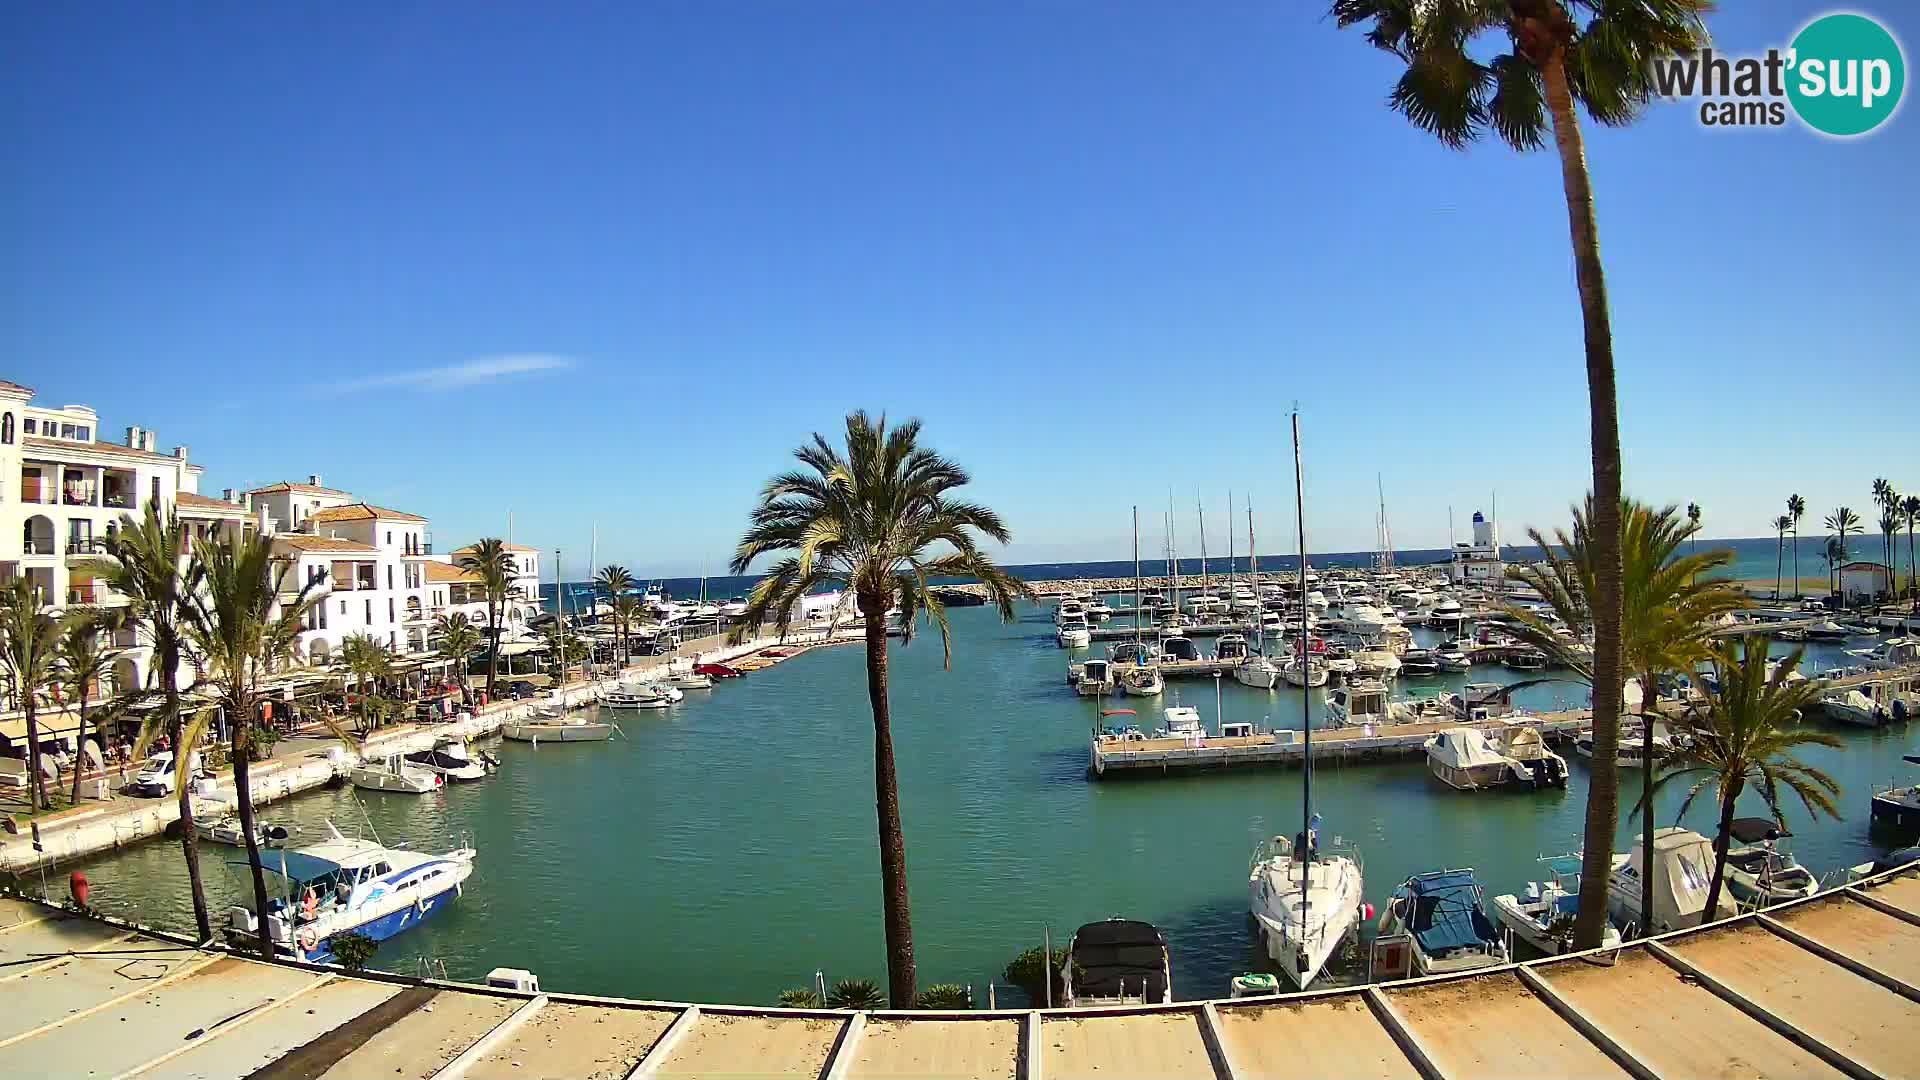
(308, 939)
(310, 903)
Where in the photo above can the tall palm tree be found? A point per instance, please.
(629, 612)
(1796, 509)
(1840, 523)
(369, 661)
(1780, 526)
(1885, 498)
(1522, 96)
(239, 624)
(1889, 527)
(878, 520)
(81, 664)
(456, 639)
(1668, 614)
(490, 560)
(150, 572)
(1746, 737)
(1835, 553)
(1910, 509)
(1693, 520)
(616, 581)
(29, 653)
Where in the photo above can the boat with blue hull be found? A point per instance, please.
(349, 886)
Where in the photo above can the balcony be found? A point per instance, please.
(119, 500)
(91, 593)
(37, 546)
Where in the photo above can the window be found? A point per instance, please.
(6, 428)
(389, 537)
(66, 431)
(369, 611)
(83, 433)
(156, 489)
(32, 424)
(389, 606)
(389, 569)
(343, 607)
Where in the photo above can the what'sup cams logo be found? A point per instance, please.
(1842, 76)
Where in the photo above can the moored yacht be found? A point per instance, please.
(1073, 632)
(1543, 915)
(1141, 680)
(1357, 702)
(394, 773)
(1096, 679)
(1760, 871)
(1441, 913)
(1305, 902)
(1682, 869)
(1117, 962)
(453, 759)
(344, 885)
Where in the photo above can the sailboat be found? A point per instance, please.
(1143, 678)
(1305, 901)
(1257, 670)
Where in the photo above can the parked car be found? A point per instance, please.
(155, 778)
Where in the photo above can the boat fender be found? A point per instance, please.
(308, 939)
(1366, 911)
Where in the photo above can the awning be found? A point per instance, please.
(520, 648)
(56, 725)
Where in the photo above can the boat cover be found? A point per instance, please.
(296, 866)
(1465, 748)
(1446, 912)
(1108, 954)
(1752, 830)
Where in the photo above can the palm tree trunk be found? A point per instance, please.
(37, 788)
(1603, 795)
(80, 747)
(886, 793)
(493, 647)
(1779, 546)
(189, 839)
(1911, 578)
(1721, 840)
(240, 716)
(1796, 559)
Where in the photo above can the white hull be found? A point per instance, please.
(1301, 939)
(1259, 674)
(538, 732)
(1474, 778)
(1310, 675)
(1521, 917)
(1145, 687)
(409, 781)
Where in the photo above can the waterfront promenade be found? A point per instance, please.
(1825, 987)
(307, 761)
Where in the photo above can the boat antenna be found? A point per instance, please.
(1136, 583)
(368, 819)
(1253, 571)
(1306, 716)
(1232, 570)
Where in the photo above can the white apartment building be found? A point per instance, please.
(452, 589)
(371, 563)
(63, 490)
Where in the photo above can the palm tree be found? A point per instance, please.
(1780, 526)
(1834, 554)
(616, 581)
(1693, 521)
(490, 560)
(369, 661)
(1606, 66)
(1796, 509)
(1889, 527)
(29, 651)
(456, 639)
(239, 624)
(1910, 509)
(81, 664)
(149, 571)
(878, 520)
(1885, 498)
(1840, 523)
(1668, 613)
(628, 612)
(1745, 737)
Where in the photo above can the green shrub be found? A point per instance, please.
(353, 950)
(945, 996)
(856, 994)
(800, 997)
(1028, 972)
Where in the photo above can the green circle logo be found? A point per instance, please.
(1847, 73)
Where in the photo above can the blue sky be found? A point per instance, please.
(611, 262)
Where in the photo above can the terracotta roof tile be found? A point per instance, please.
(95, 447)
(187, 500)
(303, 542)
(509, 547)
(361, 511)
(284, 486)
(440, 572)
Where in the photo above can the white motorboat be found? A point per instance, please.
(1850, 707)
(1176, 647)
(1070, 609)
(1632, 749)
(1442, 915)
(343, 886)
(1891, 653)
(1359, 618)
(1096, 679)
(1376, 664)
(1073, 632)
(1452, 659)
(1117, 962)
(394, 773)
(1183, 722)
(225, 829)
(1896, 809)
(1099, 611)
(1361, 701)
(630, 694)
(1682, 873)
(1304, 902)
(689, 680)
(1141, 680)
(1760, 871)
(1827, 630)
(1543, 915)
(1258, 672)
(1231, 647)
(452, 758)
(1514, 754)
(550, 729)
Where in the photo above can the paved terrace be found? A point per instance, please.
(1821, 988)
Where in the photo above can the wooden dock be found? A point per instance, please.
(1286, 749)
(1819, 987)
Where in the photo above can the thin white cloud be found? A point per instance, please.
(474, 372)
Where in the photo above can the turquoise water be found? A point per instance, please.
(725, 849)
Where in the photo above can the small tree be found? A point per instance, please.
(948, 996)
(456, 639)
(82, 663)
(856, 994)
(29, 648)
(799, 997)
(370, 662)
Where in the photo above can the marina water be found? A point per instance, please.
(724, 850)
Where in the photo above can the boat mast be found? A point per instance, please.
(560, 594)
(1306, 717)
(1231, 568)
(1202, 512)
(1259, 601)
(1136, 581)
(1173, 554)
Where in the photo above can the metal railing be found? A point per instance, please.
(35, 546)
(88, 545)
(87, 594)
